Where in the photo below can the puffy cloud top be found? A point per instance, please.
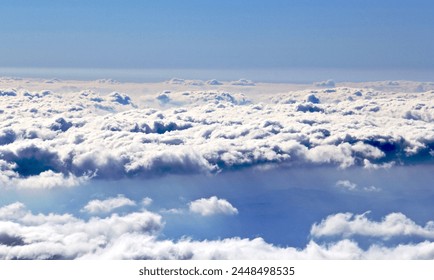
(394, 224)
(212, 206)
(50, 140)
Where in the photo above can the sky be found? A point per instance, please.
(217, 168)
(205, 34)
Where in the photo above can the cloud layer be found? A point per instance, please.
(25, 235)
(394, 224)
(51, 140)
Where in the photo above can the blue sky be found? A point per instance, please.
(218, 34)
(185, 169)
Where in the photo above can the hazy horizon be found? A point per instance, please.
(267, 75)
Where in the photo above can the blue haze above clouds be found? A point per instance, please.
(205, 173)
(380, 36)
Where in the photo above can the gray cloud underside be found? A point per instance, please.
(76, 136)
(25, 235)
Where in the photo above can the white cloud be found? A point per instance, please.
(350, 186)
(133, 246)
(201, 97)
(372, 189)
(243, 82)
(110, 204)
(212, 206)
(45, 180)
(392, 225)
(12, 211)
(345, 184)
(147, 201)
(174, 211)
(178, 81)
(368, 165)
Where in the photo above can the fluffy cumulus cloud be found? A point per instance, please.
(393, 225)
(212, 206)
(48, 139)
(137, 235)
(24, 235)
(108, 205)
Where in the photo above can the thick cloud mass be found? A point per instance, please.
(73, 137)
(25, 235)
(51, 139)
